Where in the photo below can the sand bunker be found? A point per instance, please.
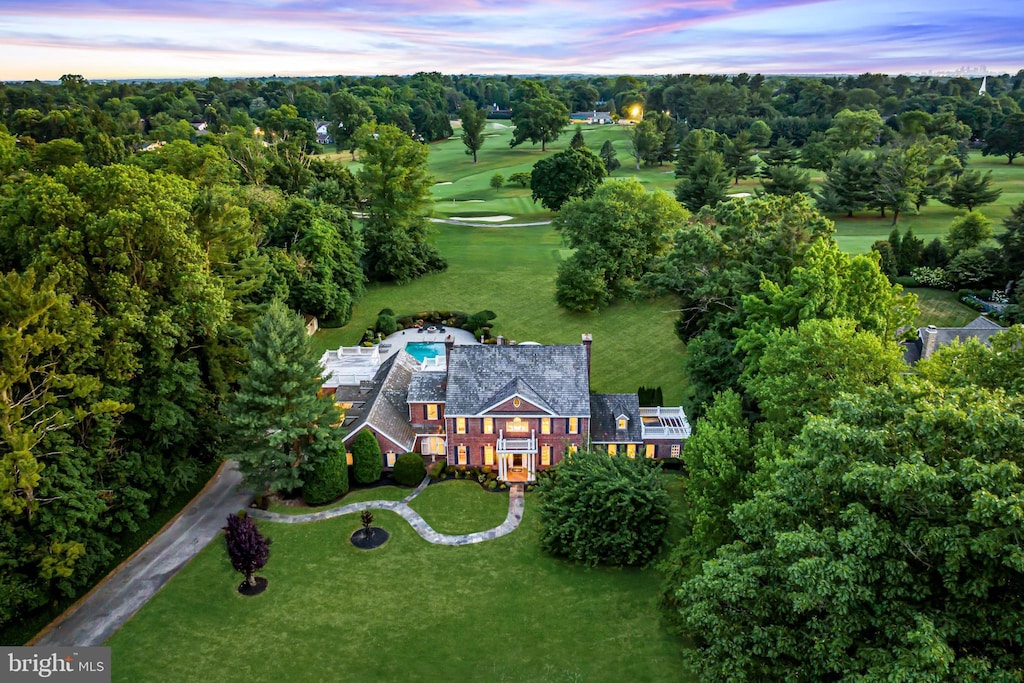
(739, 195)
(447, 182)
(481, 219)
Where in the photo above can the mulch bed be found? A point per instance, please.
(376, 538)
(261, 585)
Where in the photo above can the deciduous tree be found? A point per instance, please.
(474, 120)
(564, 175)
(396, 186)
(599, 509)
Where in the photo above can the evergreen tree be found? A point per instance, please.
(972, 189)
(278, 424)
(705, 183)
(607, 155)
(787, 180)
(739, 156)
(1012, 242)
(577, 141)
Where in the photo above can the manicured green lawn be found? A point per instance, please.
(511, 271)
(941, 308)
(460, 507)
(407, 611)
(357, 496)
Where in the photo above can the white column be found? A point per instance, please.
(501, 466)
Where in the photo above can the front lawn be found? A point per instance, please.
(460, 507)
(408, 611)
(941, 308)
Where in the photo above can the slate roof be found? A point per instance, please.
(604, 408)
(931, 338)
(386, 402)
(427, 387)
(556, 377)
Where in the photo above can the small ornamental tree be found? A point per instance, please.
(247, 547)
(366, 519)
(366, 458)
(601, 509)
(409, 469)
(497, 180)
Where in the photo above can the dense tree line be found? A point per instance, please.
(130, 282)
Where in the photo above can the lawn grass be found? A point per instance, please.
(408, 611)
(460, 507)
(511, 271)
(356, 496)
(941, 308)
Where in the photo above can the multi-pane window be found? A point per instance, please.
(574, 425)
(488, 454)
(675, 450)
(612, 449)
(545, 425)
(461, 455)
(649, 450)
(631, 450)
(488, 425)
(431, 411)
(545, 456)
(390, 458)
(460, 425)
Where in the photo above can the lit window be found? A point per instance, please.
(391, 458)
(649, 450)
(433, 445)
(574, 425)
(675, 451)
(545, 425)
(631, 450)
(488, 425)
(488, 454)
(431, 411)
(460, 425)
(545, 456)
(517, 425)
(622, 423)
(612, 449)
(461, 452)
(573, 448)
(348, 458)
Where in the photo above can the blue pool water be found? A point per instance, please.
(423, 350)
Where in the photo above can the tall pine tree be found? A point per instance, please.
(279, 426)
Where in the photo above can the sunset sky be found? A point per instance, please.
(123, 39)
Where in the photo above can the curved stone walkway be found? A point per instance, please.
(419, 525)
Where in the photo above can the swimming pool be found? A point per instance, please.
(424, 350)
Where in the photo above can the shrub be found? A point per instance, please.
(327, 481)
(436, 471)
(907, 281)
(409, 469)
(386, 324)
(601, 510)
(366, 458)
(931, 277)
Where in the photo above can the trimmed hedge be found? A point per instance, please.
(328, 480)
(409, 469)
(366, 458)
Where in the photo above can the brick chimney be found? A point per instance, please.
(587, 341)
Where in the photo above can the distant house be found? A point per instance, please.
(516, 408)
(931, 338)
(598, 117)
(201, 128)
(311, 323)
(323, 135)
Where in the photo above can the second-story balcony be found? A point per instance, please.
(526, 444)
